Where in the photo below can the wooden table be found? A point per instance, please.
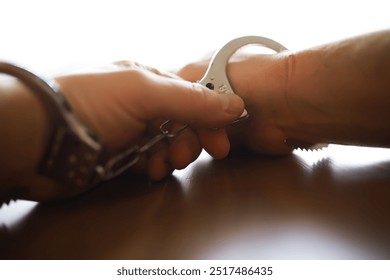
(329, 204)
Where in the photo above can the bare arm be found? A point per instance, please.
(334, 93)
(340, 92)
(24, 131)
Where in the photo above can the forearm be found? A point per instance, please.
(24, 131)
(340, 92)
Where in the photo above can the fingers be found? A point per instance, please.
(159, 95)
(159, 167)
(177, 153)
(184, 149)
(195, 105)
(164, 158)
(215, 142)
(193, 72)
(190, 103)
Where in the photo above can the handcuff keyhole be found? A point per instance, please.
(210, 86)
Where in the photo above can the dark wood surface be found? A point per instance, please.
(330, 204)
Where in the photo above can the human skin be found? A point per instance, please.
(334, 93)
(124, 103)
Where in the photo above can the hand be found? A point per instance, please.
(257, 80)
(125, 102)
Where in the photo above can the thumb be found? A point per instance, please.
(192, 103)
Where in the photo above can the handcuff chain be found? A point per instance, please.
(125, 160)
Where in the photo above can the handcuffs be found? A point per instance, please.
(76, 155)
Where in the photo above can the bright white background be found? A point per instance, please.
(54, 36)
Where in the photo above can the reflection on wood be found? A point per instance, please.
(243, 207)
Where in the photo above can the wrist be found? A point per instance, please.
(305, 104)
(261, 81)
(62, 155)
(283, 100)
(27, 129)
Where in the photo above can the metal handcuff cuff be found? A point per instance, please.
(76, 155)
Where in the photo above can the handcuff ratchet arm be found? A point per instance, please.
(216, 78)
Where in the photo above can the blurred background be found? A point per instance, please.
(60, 35)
